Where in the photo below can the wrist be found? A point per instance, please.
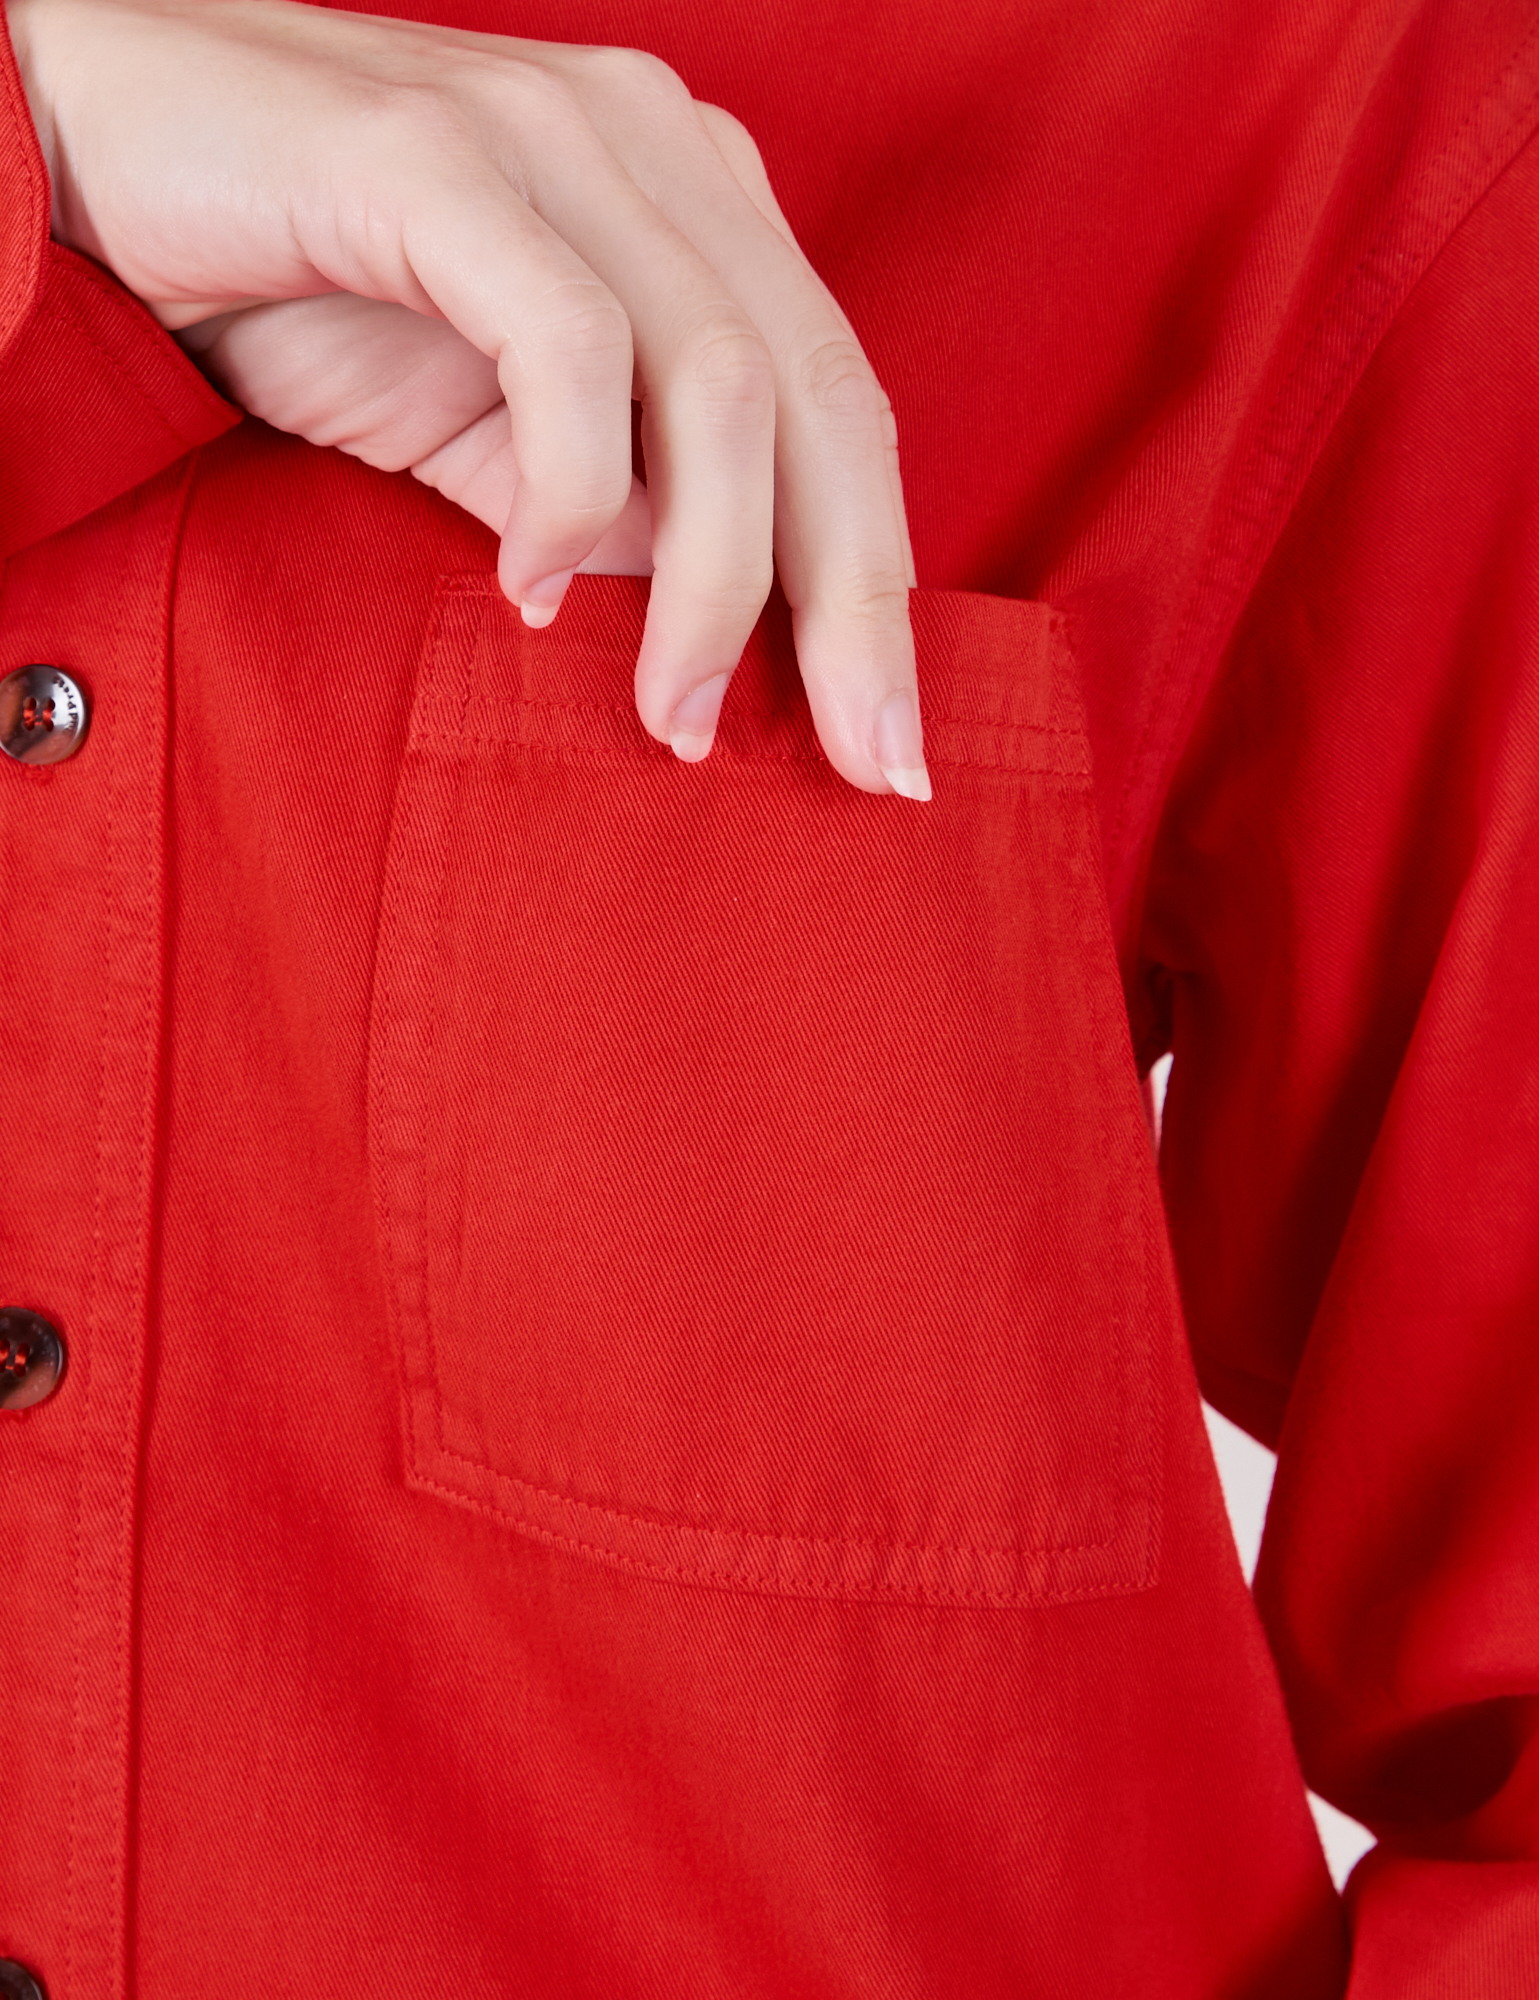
(20, 16)
(32, 26)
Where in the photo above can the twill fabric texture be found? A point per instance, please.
(633, 1416)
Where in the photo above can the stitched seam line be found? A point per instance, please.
(482, 587)
(619, 754)
(624, 711)
(21, 116)
(415, 1151)
(93, 1327)
(1439, 228)
(769, 1540)
(446, 821)
(136, 1330)
(754, 1582)
(49, 309)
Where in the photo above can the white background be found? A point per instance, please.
(1245, 1470)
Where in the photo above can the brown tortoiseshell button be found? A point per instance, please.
(31, 1368)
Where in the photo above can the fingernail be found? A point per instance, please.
(541, 601)
(692, 725)
(898, 747)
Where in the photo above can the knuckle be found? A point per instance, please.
(877, 595)
(585, 333)
(526, 97)
(736, 595)
(541, 92)
(632, 73)
(576, 486)
(732, 136)
(409, 115)
(730, 365)
(837, 380)
(497, 84)
(583, 504)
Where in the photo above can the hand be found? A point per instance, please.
(465, 254)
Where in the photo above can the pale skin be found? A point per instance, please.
(465, 254)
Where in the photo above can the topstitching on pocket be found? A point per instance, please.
(764, 1195)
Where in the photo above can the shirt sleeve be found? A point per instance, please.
(95, 396)
(1343, 941)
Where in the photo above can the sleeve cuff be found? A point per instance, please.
(95, 396)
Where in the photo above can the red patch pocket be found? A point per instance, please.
(764, 1191)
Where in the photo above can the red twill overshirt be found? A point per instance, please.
(631, 1425)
